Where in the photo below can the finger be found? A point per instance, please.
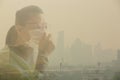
(49, 36)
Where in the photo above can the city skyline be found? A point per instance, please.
(80, 53)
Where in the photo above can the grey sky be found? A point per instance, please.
(92, 21)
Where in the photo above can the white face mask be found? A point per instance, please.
(36, 34)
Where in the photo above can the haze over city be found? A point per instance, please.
(92, 21)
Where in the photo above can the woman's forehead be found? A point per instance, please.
(36, 19)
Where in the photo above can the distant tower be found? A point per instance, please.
(60, 41)
(118, 55)
(117, 63)
(98, 52)
(60, 46)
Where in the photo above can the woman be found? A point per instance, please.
(28, 41)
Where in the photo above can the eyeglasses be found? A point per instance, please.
(37, 25)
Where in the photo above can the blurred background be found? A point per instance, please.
(85, 32)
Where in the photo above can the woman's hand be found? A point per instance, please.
(45, 44)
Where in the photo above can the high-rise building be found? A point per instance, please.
(60, 43)
(118, 55)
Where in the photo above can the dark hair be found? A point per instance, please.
(25, 13)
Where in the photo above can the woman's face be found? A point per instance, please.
(36, 22)
(36, 26)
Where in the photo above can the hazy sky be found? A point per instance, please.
(92, 21)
